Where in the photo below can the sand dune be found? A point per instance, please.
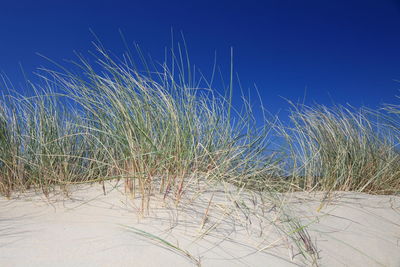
(89, 228)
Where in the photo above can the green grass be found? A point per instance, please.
(339, 148)
(112, 120)
(132, 125)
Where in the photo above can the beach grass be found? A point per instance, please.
(134, 125)
(342, 148)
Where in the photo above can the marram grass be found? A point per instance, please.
(128, 124)
(113, 121)
(341, 148)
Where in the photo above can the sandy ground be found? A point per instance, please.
(215, 228)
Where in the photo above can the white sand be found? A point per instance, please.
(90, 229)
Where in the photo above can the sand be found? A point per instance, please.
(215, 228)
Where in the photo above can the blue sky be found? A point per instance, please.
(336, 51)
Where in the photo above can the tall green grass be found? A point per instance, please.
(393, 120)
(42, 143)
(143, 126)
(339, 148)
(156, 125)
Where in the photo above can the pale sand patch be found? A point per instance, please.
(214, 228)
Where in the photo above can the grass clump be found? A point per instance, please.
(158, 126)
(42, 144)
(342, 148)
(144, 126)
(9, 143)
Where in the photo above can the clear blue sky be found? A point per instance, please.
(341, 51)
